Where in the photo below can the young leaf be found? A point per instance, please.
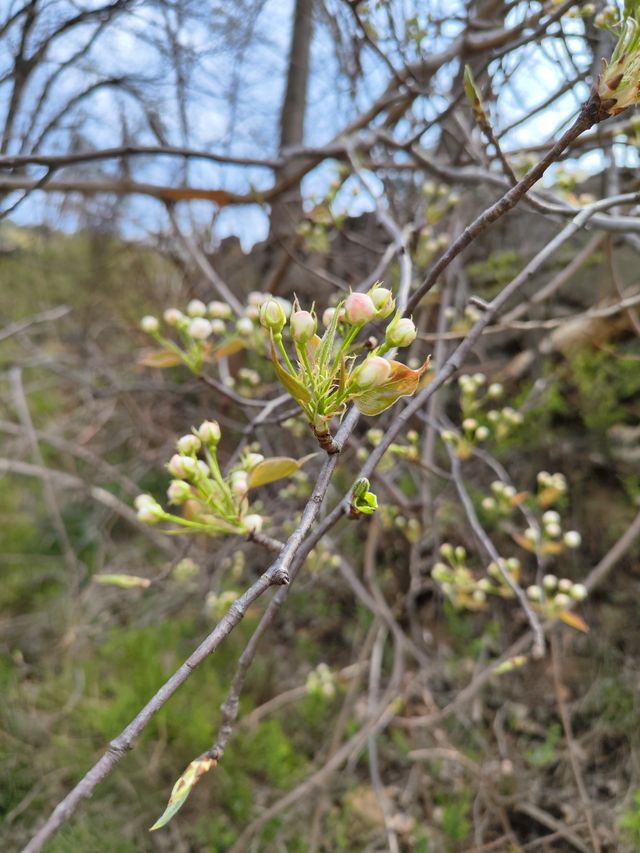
(183, 787)
(402, 383)
(274, 469)
(574, 621)
(510, 664)
(160, 358)
(230, 347)
(123, 581)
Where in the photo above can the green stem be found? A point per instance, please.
(283, 352)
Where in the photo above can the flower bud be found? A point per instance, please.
(401, 332)
(188, 444)
(564, 584)
(178, 492)
(469, 424)
(534, 593)
(251, 460)
(482, 433)
(562, 601)
(578, 592)
(172, 316)
(551, 517)
(374, 371)
(181, 467)
(209, 432)
(383, 300)
(199, 329)
(244, 326)
(240, 483)
(272, 315)
(327, 316)
(495, 390)
(359, 309)
(256, 298)
(550, 582)
(149, 324)
(196, 308)
(218, 327)
(553, 531)
(219, 310)
(572, 539)
(148, 509)
(253, 523)
(303, 326)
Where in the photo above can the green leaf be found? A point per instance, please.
(325, 348)
(510, 664)
(365, 505)
(123, 581)
(160, 358)
(183, 788)
(401, 383)
(298, 391)
(276, 468)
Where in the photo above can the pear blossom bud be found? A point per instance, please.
(578, 592)
(196, 308)
(178, 492)
(374, 371)
(219, 310)
(383, 300)
(303, 326)
(401, 332)
(253, 523)
(199, 329)
(513, 565)
(181, 467)
(562, 601)
(172, 316)
(461, 553)
(482, 433)
(534, 593)
(469, 424)
(551, 517)
(256, 297)
(240, 483)
(203, 468)
(252, 312)
(488, 504)
(553, 530)
(272, 315)
(251, 460)
(149, 324)
(572, 539)
(327, 316)
(209, 432)
(495, 390)
(188, 444)
(564, 584)
(148, 509)
(359, 309)
(218, 327)
(244, 326)
(550, 582)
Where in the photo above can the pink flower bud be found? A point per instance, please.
(199, 329)
(303, 326)
(172, 316)
(272, 315)
(383, 299)
(374, 371)
(401, 332)
(359, 309)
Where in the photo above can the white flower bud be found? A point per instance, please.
(272, 316)
(199, 329)
(578, 592)
(469, 424)
(551, 517)
(219, 310)
(239, 483)
(488, 504)
(495, 391)
(149, 324)
(218, 327)
(534, 593)
(572, 539)
(196, 308)
(374, 371)
(256, 297)
(550, 582)
(564, 584)
(251, 460)
(188, 444)
(181, 467)
(253, 523)
(553, 531)
(244, 326)
(303, 326)
(401, 332)
(482, 433)
(383, 300)
(562, 601)
(209, 432)
(327, 316)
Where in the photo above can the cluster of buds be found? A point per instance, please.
(409, 451)
(328, 374)
(550, 538)
(321, 682)
(555, 597)
(393, 518)
(607, 18)
(211, 503)
(551, 488)
(503, 500)
(481, 420)
(439, 199)
(462, 588)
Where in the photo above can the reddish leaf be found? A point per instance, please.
(574, 621)
(231, 347)
(402, 383)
